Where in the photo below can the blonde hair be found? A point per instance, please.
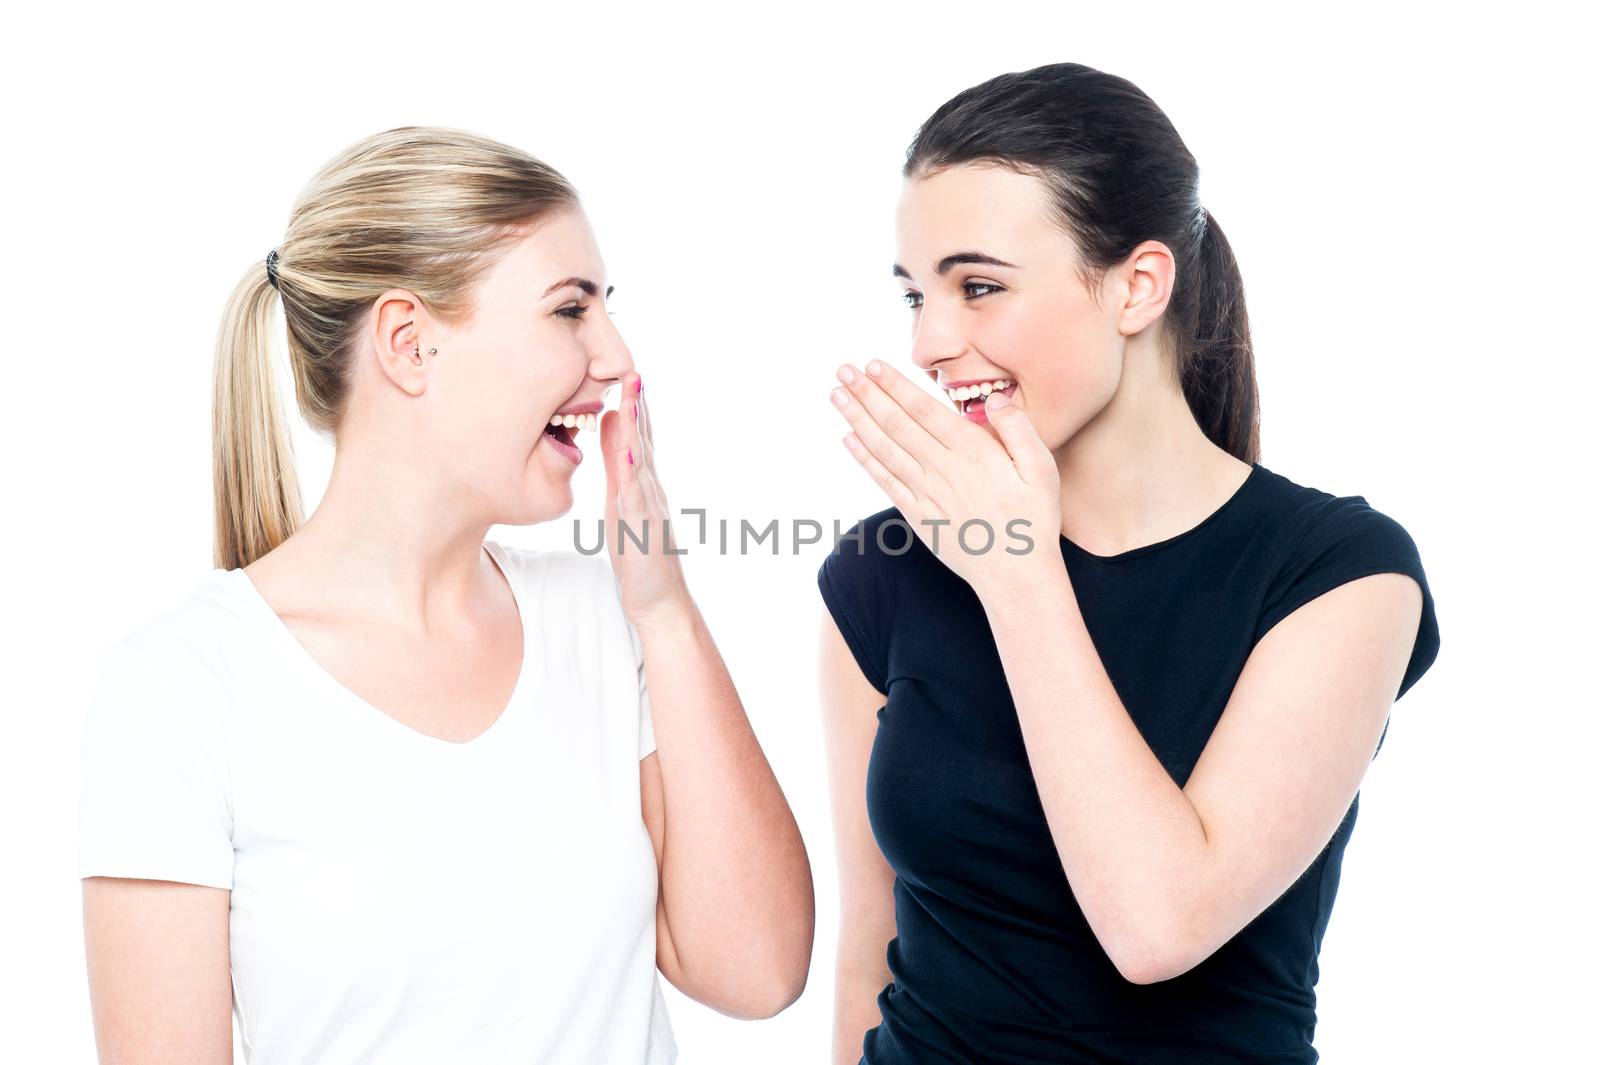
(420, 208)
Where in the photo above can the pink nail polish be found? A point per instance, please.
(630, 456)
(635, 405)
(638, 385)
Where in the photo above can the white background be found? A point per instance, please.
(1406, 192)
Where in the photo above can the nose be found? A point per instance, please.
(937, 336)
(609, 357)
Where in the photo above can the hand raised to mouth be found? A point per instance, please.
(637, 532)
(945, 473)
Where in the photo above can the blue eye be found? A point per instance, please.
(914, 299)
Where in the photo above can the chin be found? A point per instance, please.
(555, 501)
(540, 498)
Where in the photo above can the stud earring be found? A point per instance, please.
(417, 355)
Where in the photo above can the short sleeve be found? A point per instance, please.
(1347, 540)
(647, 732)
(857, 583)
(153, 790)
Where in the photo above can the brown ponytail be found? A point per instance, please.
(1216, 366)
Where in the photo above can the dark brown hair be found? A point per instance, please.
(1118, 174)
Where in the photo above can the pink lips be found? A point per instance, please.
(567, 451)
(592, 407)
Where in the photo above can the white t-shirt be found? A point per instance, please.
(396, 898)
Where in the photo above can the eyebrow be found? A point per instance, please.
(957, 259)
(589, 287)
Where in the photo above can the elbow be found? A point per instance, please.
(1162, 951)
(790, 968)
(787, 962)
(1144, 966)
(759, 1001)
(779, 997)
(763, 990)
(748, 977)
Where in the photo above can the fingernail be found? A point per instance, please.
(638, 385)
(874, 367)
(838, 396)
(635, 406)
(630, 456)
(997, 400)
(846, 375)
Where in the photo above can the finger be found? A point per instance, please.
(892, 486)
(633, 403)
(638, 489)
(639, 415)
(934, 414)
(612, 443)
(644, 417)
(1022, 442)
(631, 507)
(879, 444)
(655, 497)
(657, 509)
(904, 426)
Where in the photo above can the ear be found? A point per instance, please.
(1146, 277)
(400, 330)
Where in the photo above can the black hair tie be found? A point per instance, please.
(272, 267)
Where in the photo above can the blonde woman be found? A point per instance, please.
(391, 792)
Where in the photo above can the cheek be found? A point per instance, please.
(527, 390)
(1067, 359)
(1057, 350)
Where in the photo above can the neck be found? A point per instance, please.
(1142, 470)
(378, 538)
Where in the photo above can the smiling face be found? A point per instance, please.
(540, 343)
(996, 295)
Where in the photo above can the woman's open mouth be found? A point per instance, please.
(562, 433)
(969, 399)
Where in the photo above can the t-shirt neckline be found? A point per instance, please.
(295, 649)
(1256, 472)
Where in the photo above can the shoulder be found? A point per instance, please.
(872, 545)
(860, 581)
(1311, 524)
(1322, 540)
(190, 647)
(168, 684)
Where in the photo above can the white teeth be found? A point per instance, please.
(574, 421)
(961, 395)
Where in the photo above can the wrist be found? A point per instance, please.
(1031, 582)
(674, 614)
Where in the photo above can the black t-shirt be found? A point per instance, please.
(993, 961)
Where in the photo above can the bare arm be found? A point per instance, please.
(736, 916)
(1166, 875)
(159, 980)
(866, 883)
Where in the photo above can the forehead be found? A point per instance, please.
(559, 245)
(986, 208)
